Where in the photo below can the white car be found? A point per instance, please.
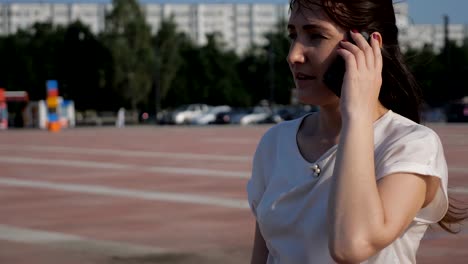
(186, 113)
(259, 114)
(210, 116)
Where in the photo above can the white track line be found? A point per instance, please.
(125, 153)
(74, 242)
(145, 195)
(122, 166)
(133, 167)
(247, 141)
(457, 169)
(459, 190)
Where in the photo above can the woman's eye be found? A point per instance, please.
(292, 36)
(315, 36)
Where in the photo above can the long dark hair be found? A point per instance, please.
(400, 91)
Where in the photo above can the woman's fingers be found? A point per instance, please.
(363, 77)
(357, 53)
(367, 53)
(350, 60)
(364, 46)
(375, 43)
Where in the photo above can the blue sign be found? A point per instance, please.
(52, 85)
(53, 117)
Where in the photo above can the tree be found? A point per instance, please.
(280, 78)
(442, 79)
(85, 71)
(128, 38)
(264, 70)
(166, 45)
(455, 58)
(221, 84)
(253, 71)
(425, 66)
(207, 75)
(31, 57)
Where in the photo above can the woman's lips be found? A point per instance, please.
(303, 77)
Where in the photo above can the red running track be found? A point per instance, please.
(107, 195)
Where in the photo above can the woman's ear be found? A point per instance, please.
(378, 37)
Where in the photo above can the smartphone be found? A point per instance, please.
(333, 77)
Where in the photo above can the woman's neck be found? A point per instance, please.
(328, 122)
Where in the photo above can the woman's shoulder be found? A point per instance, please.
(404, 145)
(401, 129)
(408, 125)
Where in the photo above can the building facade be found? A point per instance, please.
(241, 23)
(433, 36)
(21, 15)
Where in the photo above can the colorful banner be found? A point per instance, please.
(3, 110)
(52, 106)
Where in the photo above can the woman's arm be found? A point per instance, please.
(260, 251)
(366, 216)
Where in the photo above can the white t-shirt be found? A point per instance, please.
(290, 202)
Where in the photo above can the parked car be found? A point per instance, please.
(210, 116)
(231, 117)
(186, 113)
(259, 114)
(457, 112)
(290, 112)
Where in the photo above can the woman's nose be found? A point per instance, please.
(296, 54)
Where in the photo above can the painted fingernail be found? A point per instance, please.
(344, 40)
(375, 36)
(354, 31)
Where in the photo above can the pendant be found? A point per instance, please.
(315, 170)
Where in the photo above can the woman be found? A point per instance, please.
(359, 181)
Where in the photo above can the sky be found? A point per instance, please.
(431, 11)
(421, 11)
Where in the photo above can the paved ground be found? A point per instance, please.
(153, 195)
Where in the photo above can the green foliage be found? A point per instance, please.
(71, 55)
(264, 70)
(219, 82)
(124, 66)
(253, 72)
(456, 71)
(278, 45)
(31, 57)
(128, 38)
(443, 77)
(207, 75)
(87, 69)
(167, 44)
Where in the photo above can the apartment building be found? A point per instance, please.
(420, 35)
(241, 23)
(20, 15)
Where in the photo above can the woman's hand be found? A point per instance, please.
(363, 77)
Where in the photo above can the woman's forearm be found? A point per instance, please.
(355, 210)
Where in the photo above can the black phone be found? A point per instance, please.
(333, 77)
